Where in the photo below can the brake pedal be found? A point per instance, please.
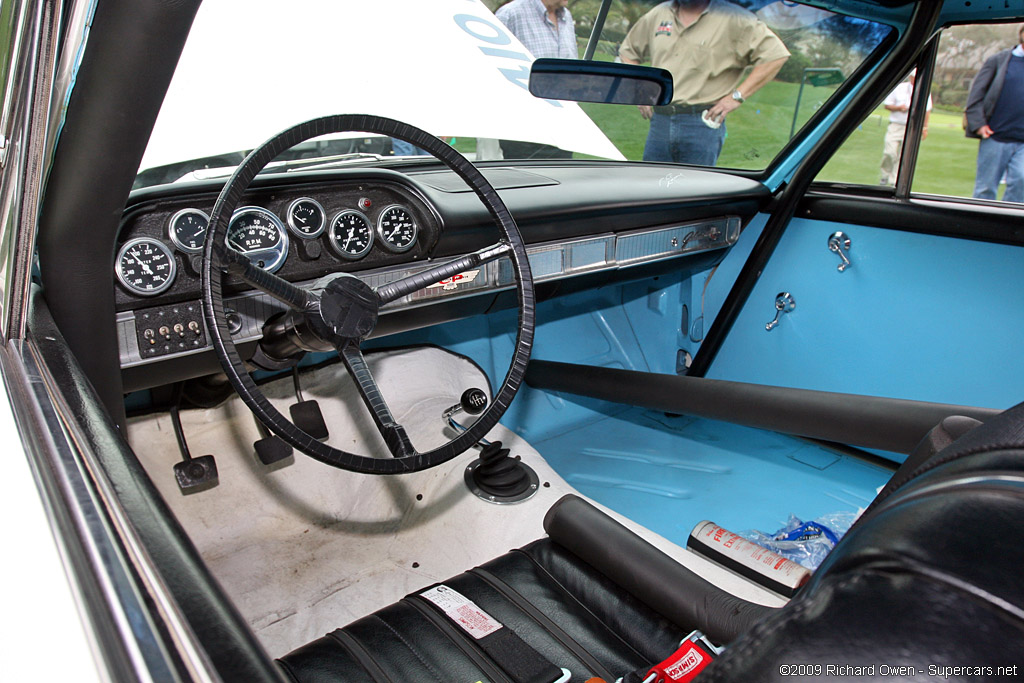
(306, 415)
(193, 475)
(271, 449)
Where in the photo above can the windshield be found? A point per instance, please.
(459, 69)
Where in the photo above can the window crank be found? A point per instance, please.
(838, 242)
(784, 303)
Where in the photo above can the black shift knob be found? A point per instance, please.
(473, 401)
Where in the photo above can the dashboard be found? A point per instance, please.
(384, 225)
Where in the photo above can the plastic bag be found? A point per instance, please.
(806, 543)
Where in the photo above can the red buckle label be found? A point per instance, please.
(683, 666)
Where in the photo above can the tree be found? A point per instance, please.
(962, 52)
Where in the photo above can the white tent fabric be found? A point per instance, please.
(251, 68)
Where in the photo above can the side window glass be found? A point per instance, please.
(975, 142)
(10, 27)
(952, 160)
(872, 154)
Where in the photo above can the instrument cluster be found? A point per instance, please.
(301, 235)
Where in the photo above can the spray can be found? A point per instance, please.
(747, 558)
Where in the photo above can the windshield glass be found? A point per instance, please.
(747, 76)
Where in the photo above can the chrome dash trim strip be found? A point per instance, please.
(548, 261)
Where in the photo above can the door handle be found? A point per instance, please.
(838, 243)
(784, 303)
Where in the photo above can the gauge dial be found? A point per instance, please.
(145, 266)
(187, 230)
(397, 228)
(306, 217)
(260, 235)
(350, 235)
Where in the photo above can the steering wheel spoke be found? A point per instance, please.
(413, 283)
(345, 309)
(394, 434)
(291, 295)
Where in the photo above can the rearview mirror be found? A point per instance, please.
(608, 82)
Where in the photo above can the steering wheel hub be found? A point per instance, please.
(349, 307)
(340, 312)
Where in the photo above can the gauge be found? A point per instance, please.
(397, 228)
(187, 230)
(145, 266)
(306, 217)
(350, 235)
(260, 235)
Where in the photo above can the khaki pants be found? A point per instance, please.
(892, 151)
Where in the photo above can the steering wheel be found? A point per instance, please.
(342, 310)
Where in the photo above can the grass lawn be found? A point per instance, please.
(760, 128)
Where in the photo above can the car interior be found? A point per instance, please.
(442, 419)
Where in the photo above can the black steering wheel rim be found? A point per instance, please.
(217, 259)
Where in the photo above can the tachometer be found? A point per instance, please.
(259, 235)
(145, 266)
(187, 230)
(350, 235)
(306, 217)
(397, 228)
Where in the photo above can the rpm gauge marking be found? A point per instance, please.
(187, 230)
(350, 235)
(397, 228)
(306, 217)
(259, 235)
(145, 266)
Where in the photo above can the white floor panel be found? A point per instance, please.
(303, 548)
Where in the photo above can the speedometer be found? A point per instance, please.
(397, 228)
(145, 266)
(259, 235)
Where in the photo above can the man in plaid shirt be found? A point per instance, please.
(546, 29)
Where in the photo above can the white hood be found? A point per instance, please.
(250, 69)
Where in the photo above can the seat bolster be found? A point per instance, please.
(835, 627)
(959, 520)
(588, 604)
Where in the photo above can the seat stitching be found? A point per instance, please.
(586, 609)
(413, 650)
(359, 653)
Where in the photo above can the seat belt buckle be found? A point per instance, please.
(682, 666)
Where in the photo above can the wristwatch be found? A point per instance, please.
(738, 96)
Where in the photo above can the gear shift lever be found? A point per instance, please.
(472, 402)
(495, 476)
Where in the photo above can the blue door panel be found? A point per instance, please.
(916, 316)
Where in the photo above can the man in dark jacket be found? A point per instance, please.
(995, 113)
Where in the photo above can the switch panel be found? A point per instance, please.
(170, 329)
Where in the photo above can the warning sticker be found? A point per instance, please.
(462, 611)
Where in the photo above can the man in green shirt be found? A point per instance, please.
(718, 54)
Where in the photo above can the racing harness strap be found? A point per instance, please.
(682, 666)
(515, 657)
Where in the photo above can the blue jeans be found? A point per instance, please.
(684, 139)
(994, 159)
(401, 148)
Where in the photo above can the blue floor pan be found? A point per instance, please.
(669, 473)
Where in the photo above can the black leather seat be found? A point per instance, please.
(573, 617)
(928, 578)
